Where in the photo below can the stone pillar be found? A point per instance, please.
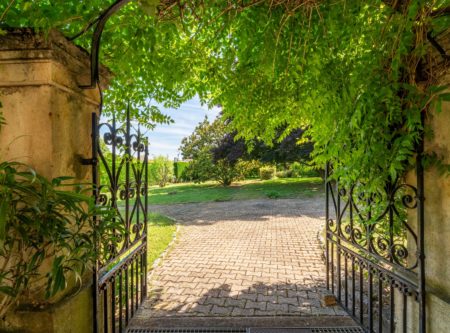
(48, 127)
(437, 225)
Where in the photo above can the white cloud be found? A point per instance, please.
(165, 139)
(183, 131)
(159, 146)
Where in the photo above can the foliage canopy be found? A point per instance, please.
(354, 71)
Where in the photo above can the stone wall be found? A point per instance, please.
(437, 225)
(47, 114)
(48, 127)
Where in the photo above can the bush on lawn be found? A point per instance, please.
(250, 169)
(302, 170)
(161, 170)
(284, 174)
(273, 195)
(267, 172)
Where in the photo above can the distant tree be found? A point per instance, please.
(201, 168)
(197, 148)
(161, 170)
(287, 150)
(229, 149)
(213, 153)
(205, 137)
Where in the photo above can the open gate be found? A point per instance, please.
(120, 172)
(375, 252)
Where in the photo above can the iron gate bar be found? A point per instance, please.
(96, 40)
(188, 330)
(400, 279)
(379, 262)
(94, 147)
(128, 259)
(120, 274)
(421, 221)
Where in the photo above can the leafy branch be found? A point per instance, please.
(47, 233)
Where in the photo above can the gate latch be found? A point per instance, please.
(89, 161)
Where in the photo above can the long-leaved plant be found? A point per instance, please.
(48, 233)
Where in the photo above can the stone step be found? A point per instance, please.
(349, 329)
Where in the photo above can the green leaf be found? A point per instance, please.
(4, 206)
(9, 291)
(444, 97)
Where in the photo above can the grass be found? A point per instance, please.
(248, 189)
(160, 233)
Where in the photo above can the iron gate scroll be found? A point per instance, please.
(375, 255)
(120, 157)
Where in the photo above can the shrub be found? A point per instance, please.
(302, 170)
(201, 168)
(250, 169)
(267, 172)
(226, 173)
(296, 169)
(273, 195)
(47, 233)
(161, 170)
(284, 174)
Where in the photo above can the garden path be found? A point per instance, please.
(253, 262)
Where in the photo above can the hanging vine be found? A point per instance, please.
(358, 73)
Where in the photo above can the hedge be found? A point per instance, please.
(179, 170)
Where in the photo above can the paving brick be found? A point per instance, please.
(284, 308)
(242, 258)
(240, 303)
(287, 300)
(248, 296)
(215, 300)
(221, 310)
(265, 298)
(255, 305)
(205, 309)
(242, 312)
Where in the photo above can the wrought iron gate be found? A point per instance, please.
(375, 252)
(120, 172)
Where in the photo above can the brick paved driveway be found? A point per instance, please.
(241, 258)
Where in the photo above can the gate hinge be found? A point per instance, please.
(89, 161)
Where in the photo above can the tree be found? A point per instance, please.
(205, 136)
(284, 148)
(217, 153)
(212, 152)
(161, 170)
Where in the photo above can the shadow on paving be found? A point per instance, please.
(258, 300)
(277, 305)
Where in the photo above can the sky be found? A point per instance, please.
(166, 139)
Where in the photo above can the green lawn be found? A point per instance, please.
(249, 189)
(160, 234)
